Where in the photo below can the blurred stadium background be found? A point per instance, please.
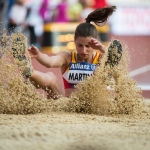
(130, 24)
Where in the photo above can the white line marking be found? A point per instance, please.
(140, 70)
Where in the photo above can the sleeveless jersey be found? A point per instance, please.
(78, 71)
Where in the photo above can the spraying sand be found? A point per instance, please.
(107, 111)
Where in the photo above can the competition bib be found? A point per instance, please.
(79, 71)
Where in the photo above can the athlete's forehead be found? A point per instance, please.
(82, 40)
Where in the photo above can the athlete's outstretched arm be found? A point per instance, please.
(45, 60)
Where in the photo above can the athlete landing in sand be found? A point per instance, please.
(76, 66)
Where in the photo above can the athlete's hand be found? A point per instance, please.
(33, 51)
(96, 44)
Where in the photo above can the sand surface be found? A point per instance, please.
(73, 131)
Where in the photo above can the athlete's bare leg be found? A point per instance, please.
(47, 81)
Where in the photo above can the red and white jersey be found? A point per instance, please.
(78, 71)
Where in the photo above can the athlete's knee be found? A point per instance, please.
(52, 78)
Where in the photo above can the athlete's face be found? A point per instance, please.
(83, 48)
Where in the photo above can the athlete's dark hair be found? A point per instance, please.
(98, 16)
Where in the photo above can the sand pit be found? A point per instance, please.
(72, 131)
(104, 113)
